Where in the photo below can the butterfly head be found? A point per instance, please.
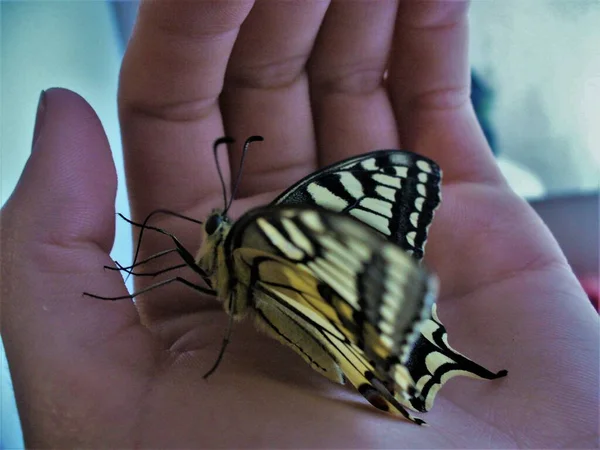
(216, 227)
(215, 223)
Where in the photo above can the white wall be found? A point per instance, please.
(542, 58)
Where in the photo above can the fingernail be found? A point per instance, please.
(39, 118)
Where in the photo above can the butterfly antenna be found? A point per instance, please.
(239, 175)
(218, 142)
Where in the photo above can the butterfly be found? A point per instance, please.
(331, 269)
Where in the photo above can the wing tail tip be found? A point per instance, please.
(500, 374)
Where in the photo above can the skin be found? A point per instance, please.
(89, 373)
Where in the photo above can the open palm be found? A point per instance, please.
(309, 77)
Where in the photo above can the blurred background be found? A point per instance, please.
(536, 88)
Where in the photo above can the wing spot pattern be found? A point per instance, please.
(386, 326)
(401, 172)
(419, 203)
(386, 192)
(279, 241)
(298, 237)
(342, 264)
(324, 274)
(373, 220)
(414, 219)
(341, 253)
(381, 207)
(398, 259)
(387, 180)
(424, 166)
(311, 219)
(362, 251)
(325, 198)
(387, 341)
(352, 185)
(401, 373)
(369, 164)
(434, 360)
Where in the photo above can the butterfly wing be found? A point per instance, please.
(323, 345)
(433, 362)
(334, 290)
(395, 192)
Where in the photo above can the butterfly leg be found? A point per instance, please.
(130, 271)
(154, 286)
(144, 261)
(224, 345)
(187, 257)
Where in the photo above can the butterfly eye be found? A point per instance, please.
(213, 224)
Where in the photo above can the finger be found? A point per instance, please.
(57, 229)
(429, 82)
(171, 78)
(266, 93)
(351, 109)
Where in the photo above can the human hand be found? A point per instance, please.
(89, 373)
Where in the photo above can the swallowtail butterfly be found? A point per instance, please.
(331, 269)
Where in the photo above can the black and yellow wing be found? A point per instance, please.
(331, 269)
(396, 193)
(433, 362)
(338, 293)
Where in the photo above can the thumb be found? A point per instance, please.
(56, 231)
